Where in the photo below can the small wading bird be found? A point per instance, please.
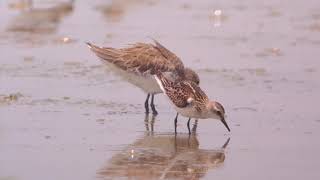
(190, 101)
(138, 63)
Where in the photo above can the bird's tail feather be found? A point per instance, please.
(108, 54)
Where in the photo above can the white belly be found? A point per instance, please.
(190, 112)
(193, 113)
(146, 82)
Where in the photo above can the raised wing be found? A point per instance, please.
(140, 58)
(167, 53)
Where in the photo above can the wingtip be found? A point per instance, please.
(153, 39)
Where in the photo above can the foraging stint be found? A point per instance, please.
(190, 101)
(138, 63)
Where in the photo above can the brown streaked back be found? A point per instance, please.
(180, 93)
(140, 58)
(191, 75)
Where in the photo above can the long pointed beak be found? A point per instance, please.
(224, 123)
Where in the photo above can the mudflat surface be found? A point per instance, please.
(64, 115)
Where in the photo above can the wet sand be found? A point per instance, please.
(63, 115)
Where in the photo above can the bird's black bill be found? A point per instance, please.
(224, 123)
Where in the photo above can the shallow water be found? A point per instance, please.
(63, 115)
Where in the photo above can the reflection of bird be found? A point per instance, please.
(149, 124)
(163, 157)
(148, 121)
(41, 20)
(139, 62)
(21, 5)
(190, 101)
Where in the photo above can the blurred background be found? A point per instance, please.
(64, 115)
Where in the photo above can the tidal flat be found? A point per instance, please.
(65, 115)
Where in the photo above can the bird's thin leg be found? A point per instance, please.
(146, 104)
(189, 126)
(154, 111)
(175, 123)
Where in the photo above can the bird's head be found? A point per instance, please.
(216, 111)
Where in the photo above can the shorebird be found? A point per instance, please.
(190, 101)
(138, 63)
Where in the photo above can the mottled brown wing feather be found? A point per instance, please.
(185, 90)
(168, 54)
(139, 57)
(177, 95)
(196, 92)
(180, 92)
(172, 90)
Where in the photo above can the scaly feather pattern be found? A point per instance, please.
(182, 93)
